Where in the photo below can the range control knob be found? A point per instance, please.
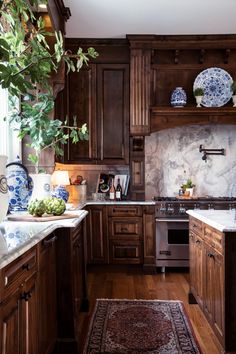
(182, 209)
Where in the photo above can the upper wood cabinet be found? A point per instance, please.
(159, 64)
(99, 96)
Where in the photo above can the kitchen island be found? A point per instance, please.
(43, 285)
(212, 245)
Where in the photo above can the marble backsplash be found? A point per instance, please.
(172, 156)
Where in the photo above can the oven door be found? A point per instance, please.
(172, 242)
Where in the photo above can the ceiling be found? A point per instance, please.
(115, 19)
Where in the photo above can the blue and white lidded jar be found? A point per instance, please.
(19, 184)
(178, 97)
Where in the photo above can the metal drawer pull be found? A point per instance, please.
(26, 296)
(5, 281)
(211, 255)
(50, 241)
(198, 241)
(26, 266)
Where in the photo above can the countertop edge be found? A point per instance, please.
(209, 220)
(50, 226)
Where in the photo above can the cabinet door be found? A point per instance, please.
(47, 295)
(113, 113)
(214, 290)
(81, 103)
(97, 234)
(196, 264)
(77, 266)
(29, 321)
(10, 341)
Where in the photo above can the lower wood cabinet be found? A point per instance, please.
(125, 234)
(19, 306)
(122, 234)
(47, 294)
(97, 234)
(42, 294)
(71, 286)
(212, 279)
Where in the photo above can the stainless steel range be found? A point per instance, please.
(172, 239)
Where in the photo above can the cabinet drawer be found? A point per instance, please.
(213, 238)
(18, 272)
(125, 228)
(125, 210)
(195, 226)
(125, 252)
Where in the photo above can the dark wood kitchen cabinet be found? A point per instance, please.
(71, 285)
(212, 274)
(99, 96)
(159, 64)
(125, 234)
(47, 295)
(97, 234)
(19, 306)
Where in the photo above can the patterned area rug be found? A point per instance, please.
(140, 326)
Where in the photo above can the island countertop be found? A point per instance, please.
(19, 237)
(222, 220)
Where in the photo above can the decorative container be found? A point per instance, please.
(4, 196)
(178, 97)
(19, 184)
(234, 100)
(41, 185)
(198, 100)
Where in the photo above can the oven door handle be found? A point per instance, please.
(171, 220)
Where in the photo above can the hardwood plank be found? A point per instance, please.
(129, 282)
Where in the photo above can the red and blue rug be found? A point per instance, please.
(140, 326)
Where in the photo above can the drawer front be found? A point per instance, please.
(122, 252)
(19, 271)
(125, 228)
(214, 238)
(196, 226)
(125, 210)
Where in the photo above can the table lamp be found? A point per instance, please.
(60, 179)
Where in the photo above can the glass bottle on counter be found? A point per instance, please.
(118, 191)
(112, 190)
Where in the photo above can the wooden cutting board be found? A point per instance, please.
(28, 217)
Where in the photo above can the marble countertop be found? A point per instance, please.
(222, 220)
(19, 237)
(109, 202)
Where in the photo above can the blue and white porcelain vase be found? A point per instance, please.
(19, 184)
(4, 196)
(178, 97)
(60, 192)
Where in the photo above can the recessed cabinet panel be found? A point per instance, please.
(125, 227)
(81, 108)
(125, 252)
(112, 112)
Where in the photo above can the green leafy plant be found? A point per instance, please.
(233, 87)
(188, 184)
(26, 66)
(33, 121)
(199, 91)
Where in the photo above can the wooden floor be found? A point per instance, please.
(129, 282)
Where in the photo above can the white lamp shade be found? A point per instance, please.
(60, 178)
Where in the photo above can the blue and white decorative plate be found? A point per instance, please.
(216, 83)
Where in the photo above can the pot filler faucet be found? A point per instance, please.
(210, 152)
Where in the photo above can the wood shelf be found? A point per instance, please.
(164, 117)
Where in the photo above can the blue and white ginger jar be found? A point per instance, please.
(178, 97)
(20, 186)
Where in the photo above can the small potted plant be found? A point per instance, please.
(198, 94)
(188, 187)
(233, 89)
